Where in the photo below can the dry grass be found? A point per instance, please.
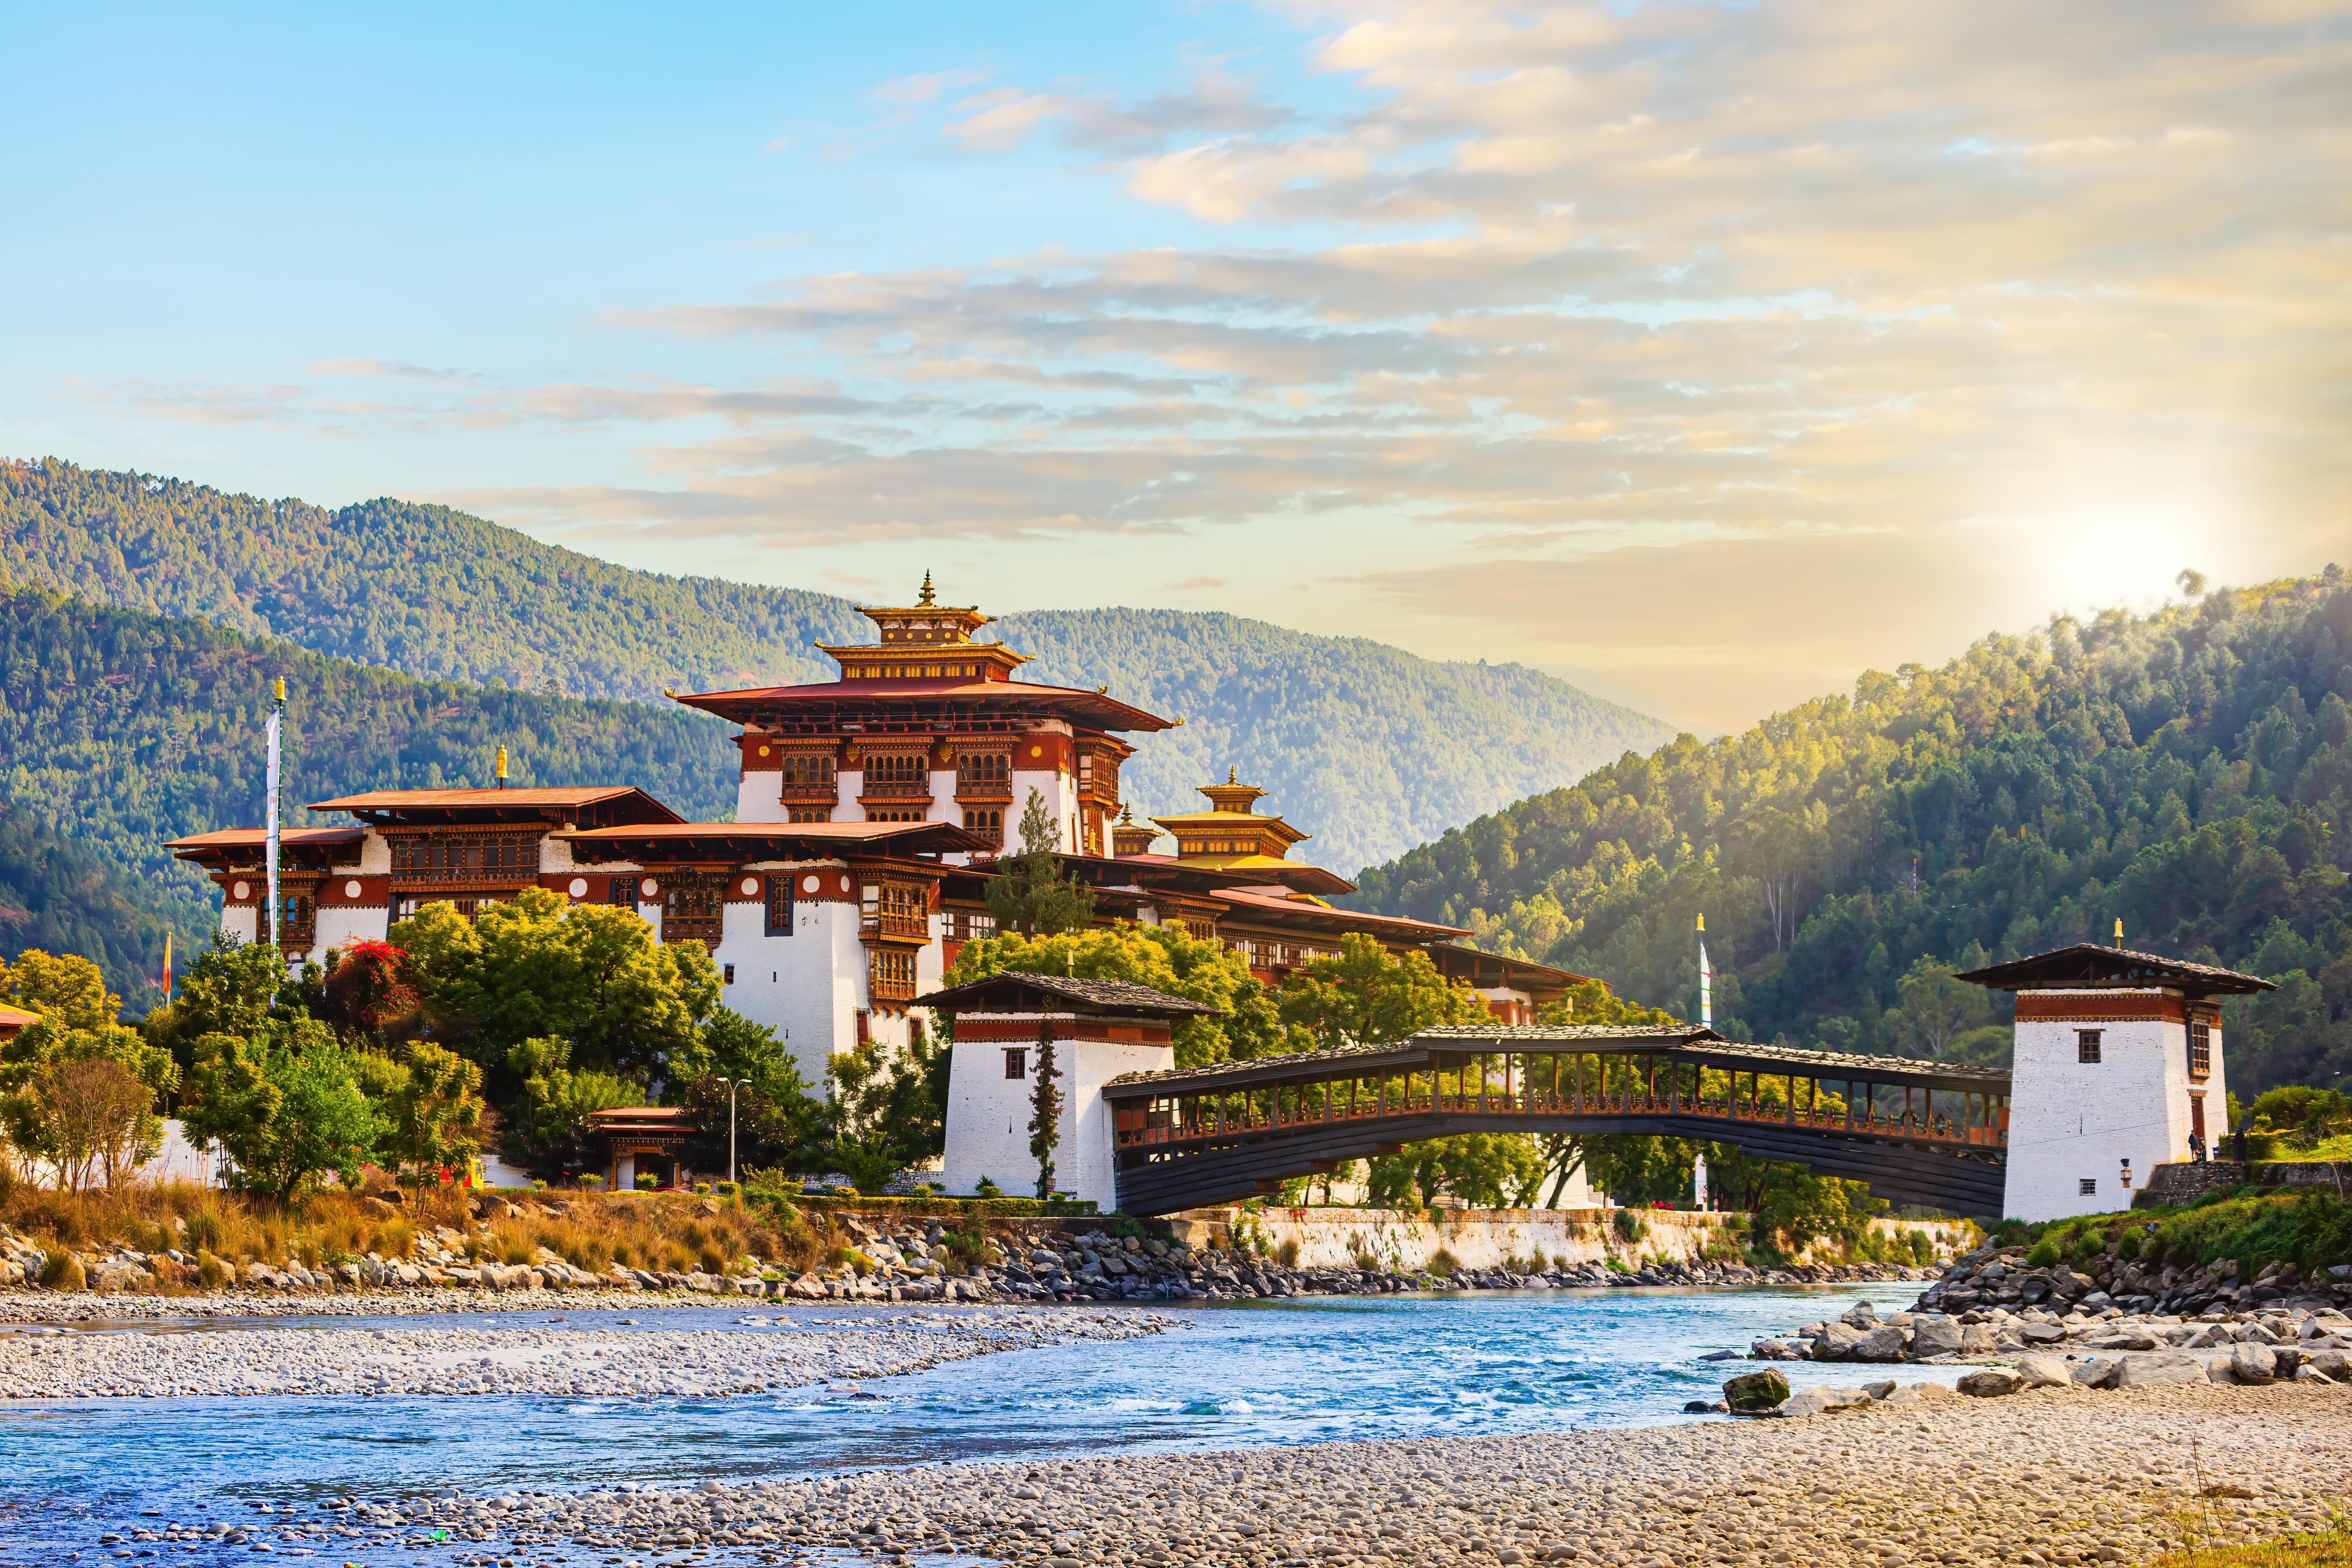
(591, 1231)
(2332, 1550)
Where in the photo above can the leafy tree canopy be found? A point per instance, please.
(1166, 958)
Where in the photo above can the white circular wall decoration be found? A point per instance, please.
(751, 887)
(845, 882)
(649, 886)
(808, 885)
(240, 891)
(352, 889)
(579, 889)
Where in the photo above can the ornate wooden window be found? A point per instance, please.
(897, 772)
(892, 978)
(2201, 1049)
(622, 893)
(809, 814)
(987, 821)
(298, 916)
(895, 813)
(440, 858)
(807, 773)
(985, 773)
(970, 925)
(1201, 929)
(780, 905)
(896, 909)
(692, 906)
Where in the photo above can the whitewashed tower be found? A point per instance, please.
(2118, 1060)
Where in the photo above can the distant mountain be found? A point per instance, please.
(2188, 772)
(60, 897)
(124, 729)
(1368, 747)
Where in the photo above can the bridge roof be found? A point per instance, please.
(1676, 1042)
(2087, 966)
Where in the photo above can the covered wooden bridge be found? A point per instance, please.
(1919, 1131)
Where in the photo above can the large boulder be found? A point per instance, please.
(1815, 1401)
(2253, 1363)
(1978, 1339)
(1934, 1336)
(1776, 1350)
(1754, 1392)
(1836, 1342)
(2045, 1372)
(1885, 1342)
(1990, 1383)
(2335, 1364)
(2097, 1372)
(2157, 1371)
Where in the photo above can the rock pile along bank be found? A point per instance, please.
(912, 1263)
(2050, 1478)
(2059, 1328)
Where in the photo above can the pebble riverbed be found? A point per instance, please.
(585, 1362)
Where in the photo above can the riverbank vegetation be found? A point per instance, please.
(2252, 1228)
(2187, 772)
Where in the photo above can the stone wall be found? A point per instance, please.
(2171, 1187)
(1486, 1239)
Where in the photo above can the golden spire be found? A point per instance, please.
(927, 598)
(1233, 775)
(502, 765)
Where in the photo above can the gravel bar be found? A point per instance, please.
(596, 1362)
(2051, 1477)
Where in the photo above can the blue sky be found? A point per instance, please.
(1721, 351)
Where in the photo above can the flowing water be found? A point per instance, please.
(1234, 1376)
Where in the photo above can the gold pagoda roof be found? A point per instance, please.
(911, 633)
(1246, 840)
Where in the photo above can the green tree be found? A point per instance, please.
(1936, 1009)
(539, 967)
(78, 1089)
(778, 1122)
(231, 989)
(1166, 958)
(1030, 894)
(1368, 996)
(1044, 1112)
(432, 1110)
(66, 989)
(285, 1106)
(1485, 1170)
(545, 1132)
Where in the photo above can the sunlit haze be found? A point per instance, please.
(1721, 351)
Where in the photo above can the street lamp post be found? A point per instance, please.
(733, 1084)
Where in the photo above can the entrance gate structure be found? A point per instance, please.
(1922, 1132)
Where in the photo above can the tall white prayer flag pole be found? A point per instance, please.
(276, 723)
(1705, 980)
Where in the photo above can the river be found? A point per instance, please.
(1234, 1375)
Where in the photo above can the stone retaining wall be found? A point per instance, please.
(1486, 1238)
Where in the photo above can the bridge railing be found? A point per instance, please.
(1206, 1117)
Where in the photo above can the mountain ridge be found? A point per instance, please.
(1338, 729)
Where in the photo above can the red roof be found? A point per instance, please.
(14, 1018)
(1279, 900)
(254, 838)
(1102, 712)
(934, 835)
(559, 795)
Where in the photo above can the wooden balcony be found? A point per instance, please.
(889, 925)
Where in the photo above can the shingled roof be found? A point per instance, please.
(2086, 966)
(1001, 992)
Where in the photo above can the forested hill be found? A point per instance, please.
(121, 730)
(1368, 747)
(2187, 771)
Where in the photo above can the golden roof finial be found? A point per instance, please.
(502, 766)
(1233, 775)
(927, 596)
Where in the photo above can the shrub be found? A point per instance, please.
(211, 1272)
(1443, 1264)
(592, 1182)
(63, 1271)
(205, 1230)
(2044, 1253)
(702, 1189)
(1287, 1253)
(988, 1189)
(2127, 1246)
(645, 1182)
(1631, 1226)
